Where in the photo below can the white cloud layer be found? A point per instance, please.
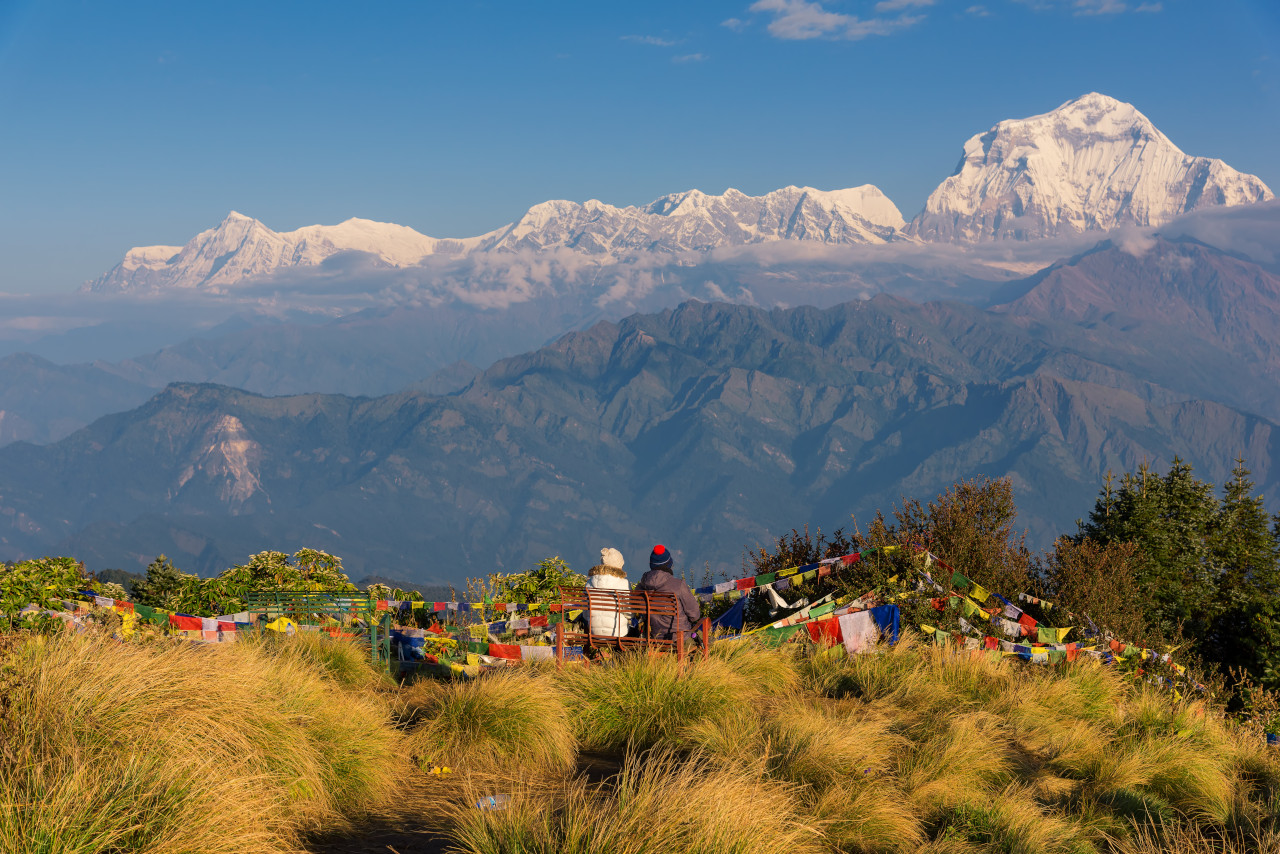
(797, 20)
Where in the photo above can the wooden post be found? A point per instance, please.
(679, 637)
(648, 637)
(706, 638)
(560, 641)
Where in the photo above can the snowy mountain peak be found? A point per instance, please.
(693, 221)
(241, 247)
(1093, 163)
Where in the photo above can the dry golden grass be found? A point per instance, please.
(509, 718)
(173, 747)
(661, 802)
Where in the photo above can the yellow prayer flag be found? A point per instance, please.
(979, 593)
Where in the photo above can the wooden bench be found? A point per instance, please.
(627, 603)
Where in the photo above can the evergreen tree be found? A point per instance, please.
(165, 585)
(1207, 570)
(1246, 633)
(1171, 519)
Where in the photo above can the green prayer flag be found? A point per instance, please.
(959, 582)
(774, 636)
(766, 578)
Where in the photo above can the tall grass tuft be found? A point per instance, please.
(660, 802)
(170, 747)
(343, 661)
(506, 718)
(641, 700)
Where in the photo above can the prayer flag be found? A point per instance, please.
(186, 623)
(509, 651)
(825, 631)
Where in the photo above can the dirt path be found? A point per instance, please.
(401, 828)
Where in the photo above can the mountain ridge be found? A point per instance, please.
(1092, 164)
(714, 426)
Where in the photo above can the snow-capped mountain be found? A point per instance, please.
(243, 248)
(695, 221)
(1093, 163)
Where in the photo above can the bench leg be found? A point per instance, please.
(560, 644)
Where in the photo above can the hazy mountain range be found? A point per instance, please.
(713, 426)
(1080, 295)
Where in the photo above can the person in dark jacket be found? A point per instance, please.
(661, 579)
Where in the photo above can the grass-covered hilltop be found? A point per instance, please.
(1110, 695)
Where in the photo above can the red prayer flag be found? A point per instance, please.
(1117, 647)
(853, 558)
(991, 643)
(185, 623)
(382, 605)
(537, 621)
(825, 631)
(556, 608)
(505, 650)
(436, 628)
(745, 583)
(127, 607)
(1028, 624)
(225, 626)
(441, 606)
(824, 570)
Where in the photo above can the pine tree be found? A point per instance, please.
(1170, 518)
(164, 585)
(1246, 631)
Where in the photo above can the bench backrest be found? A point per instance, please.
(636, 602)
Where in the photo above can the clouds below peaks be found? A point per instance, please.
(796, 20)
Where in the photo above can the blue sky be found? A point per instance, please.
(135, 123)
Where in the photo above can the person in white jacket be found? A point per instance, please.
(608, 575)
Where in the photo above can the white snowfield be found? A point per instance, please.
(1094, 163)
